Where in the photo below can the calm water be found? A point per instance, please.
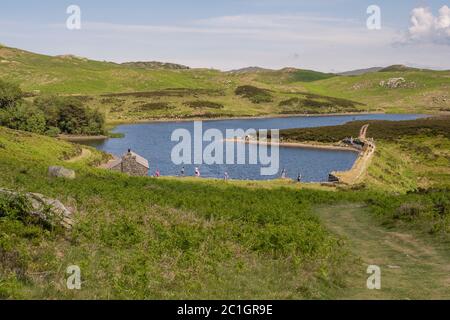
(153, 141)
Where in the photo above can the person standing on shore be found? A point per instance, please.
(299, 178)
(226, 176)
(197, 172)
(182, 171)
(283, 174)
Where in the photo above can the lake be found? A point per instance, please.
(153, 142)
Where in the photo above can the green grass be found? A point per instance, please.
(427, 91)
(379, 130)
(412, 266)
(147, 238)
(410, 154)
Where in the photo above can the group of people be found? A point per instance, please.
(226, 177)
(196, 172)
(284, 176)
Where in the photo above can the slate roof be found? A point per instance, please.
(139, 159)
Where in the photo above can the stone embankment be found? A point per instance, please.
(356, 173)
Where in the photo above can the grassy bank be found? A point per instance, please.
(410, 154)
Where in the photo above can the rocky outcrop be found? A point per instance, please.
(61, 172)
(395, 83)
(155, 65)
(50, 210)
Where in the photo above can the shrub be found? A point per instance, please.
(154, 106)
(23, 117)
(202, 104)
(408, 211)
(70, 115)
(254, 94)
(52, 132)
(10, 94)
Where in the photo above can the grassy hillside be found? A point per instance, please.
(423, 91)
(147, 238)
(410, 154)
(73, 75)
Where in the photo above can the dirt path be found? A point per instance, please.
(411, 268)
(356, 173)
(363, 132)
(85, 153)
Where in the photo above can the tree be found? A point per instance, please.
(23, 117)
(10, 94)
(70, 115)
(50, 106)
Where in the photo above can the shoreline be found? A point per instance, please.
(301, 145)
(76, 138)
(114, 124)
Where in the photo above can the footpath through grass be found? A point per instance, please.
(412, 266)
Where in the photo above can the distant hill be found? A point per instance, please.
(300, 75)
(399, 68)
(289, 74)
(249, 70)
(68, 74)
(427, 90)
(156, 65)
(359, 72)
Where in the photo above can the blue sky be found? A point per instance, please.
(322, 34)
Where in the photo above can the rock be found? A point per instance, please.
(61, 172)
(333, 178)
(394, 83)
(49, 210)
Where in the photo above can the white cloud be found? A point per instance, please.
(428, 28)
(267, 27)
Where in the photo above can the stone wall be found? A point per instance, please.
(132, 167)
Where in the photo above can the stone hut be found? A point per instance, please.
(131, 163)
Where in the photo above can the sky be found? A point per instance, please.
(323, 35)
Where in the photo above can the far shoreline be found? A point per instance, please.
(81, 138)
(114, 124)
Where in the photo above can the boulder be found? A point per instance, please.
(394, 83)
(50, 210)
(61, 172)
